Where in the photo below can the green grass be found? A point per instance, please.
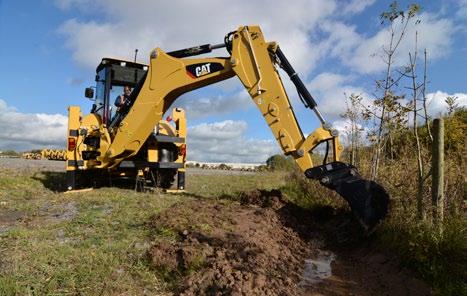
(215, 186)
(94, 242)
(440, 258)
(81, 243)
(307, 193)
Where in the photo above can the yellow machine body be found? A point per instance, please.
(90, 126)
(54, 154)
(167, 79)
(170, 74)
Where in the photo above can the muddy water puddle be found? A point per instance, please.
(318, 269)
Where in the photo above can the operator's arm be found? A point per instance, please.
(119, 101)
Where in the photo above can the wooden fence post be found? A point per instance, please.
(437, 189)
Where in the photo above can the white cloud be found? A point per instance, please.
(435, 35)
(437, 105)
(462, 11)
(342, 39)
(219, 130)
(331, 90)
(344, 126)
(356, 6)
(125, 26)
(214, 106)
(226, 142)
(24, 131)
(97, 40)
(364, 54)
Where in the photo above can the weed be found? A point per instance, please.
(439, 258)
(168, 233)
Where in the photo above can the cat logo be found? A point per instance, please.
(203, 70)
(199, 70)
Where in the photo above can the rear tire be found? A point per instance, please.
(165, 178)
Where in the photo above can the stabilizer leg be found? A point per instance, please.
(71, 180)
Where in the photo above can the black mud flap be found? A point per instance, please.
(368, 200)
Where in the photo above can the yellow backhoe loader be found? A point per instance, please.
(129, 142)
(157, 160)
(53, 154)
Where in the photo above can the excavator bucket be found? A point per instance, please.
(368, 200)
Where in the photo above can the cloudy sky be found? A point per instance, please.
(50, 49)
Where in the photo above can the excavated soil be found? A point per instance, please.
(264, 245)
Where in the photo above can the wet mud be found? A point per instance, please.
(264, 245)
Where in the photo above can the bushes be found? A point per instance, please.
(280, 162)
(440, 259)
(9, 153)
(309, 193)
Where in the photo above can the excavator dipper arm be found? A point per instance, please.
(254, 61)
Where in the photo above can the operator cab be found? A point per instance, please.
(111, 76)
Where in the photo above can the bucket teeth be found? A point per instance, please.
(367, 199)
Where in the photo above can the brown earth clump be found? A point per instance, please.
(259, 247)
(231, 249)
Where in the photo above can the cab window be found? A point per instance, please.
(100, 93)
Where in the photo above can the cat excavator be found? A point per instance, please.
(136, 140)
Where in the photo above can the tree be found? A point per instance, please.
(388, 108)
(354, 128)
(9, 153)
(418, 89)
(452, 103)
(279, 162)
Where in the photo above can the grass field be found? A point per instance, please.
(98, 242)
(90, 243)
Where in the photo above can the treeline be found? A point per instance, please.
(10, 153)
(16, 153)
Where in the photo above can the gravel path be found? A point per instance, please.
(32, 164)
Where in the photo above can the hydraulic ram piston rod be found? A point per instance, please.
(196, 50)
(305, 95)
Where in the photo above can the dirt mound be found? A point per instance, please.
(263, 198)
(231, 249)
(260, 246)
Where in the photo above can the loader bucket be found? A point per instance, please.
(367, 199)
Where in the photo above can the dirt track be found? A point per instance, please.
(266, 246)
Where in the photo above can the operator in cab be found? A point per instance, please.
(124, 98)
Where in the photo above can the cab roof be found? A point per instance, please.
(110, 61)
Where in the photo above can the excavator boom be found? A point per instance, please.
(255, 62)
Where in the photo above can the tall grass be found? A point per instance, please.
(437, 253)
(439, 257)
